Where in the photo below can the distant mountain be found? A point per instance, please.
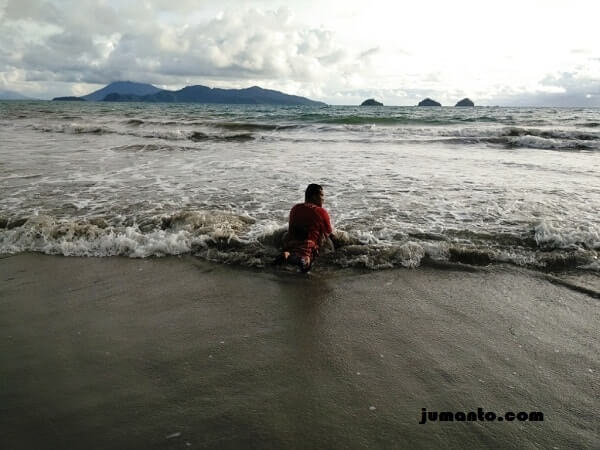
(11, 95)
(122, 88)
(203, 94)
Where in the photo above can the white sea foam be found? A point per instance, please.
(47, 235)
(554, 236)
(233, 239)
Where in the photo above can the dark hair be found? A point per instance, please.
(311, 191)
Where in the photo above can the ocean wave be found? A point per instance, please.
(508, 132)
(229, 126)
(240, 239)
(506, 142)
(351, 129)
(509, 137)
(198, 136)
(134, 122)
(74, 128)
(213, 236)
(168, 135)
(406, 119)
(366, 120)
(194, 136)
(525, 240)
(244, 126)
(548, 144)
(489, 119)
(70, 117)
(152, 148)
(516, 137)
(551, 134)
(162, 235)
(165, 134)
(549, 236)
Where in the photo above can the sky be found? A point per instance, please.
(516, 53)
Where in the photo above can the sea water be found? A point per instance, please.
(402, 184)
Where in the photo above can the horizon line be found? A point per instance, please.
(309, 106)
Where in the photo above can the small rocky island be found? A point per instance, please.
(465, 102)
(429, 102)
(371, 102)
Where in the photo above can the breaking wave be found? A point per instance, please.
(240, 239)
(198, 136)
(165, 134)
(231, 126)
(514, 137)
(152, 148)
(350, 128)
(134, 122)
(243, 126)
(74, 128)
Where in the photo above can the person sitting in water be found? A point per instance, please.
(309, 225)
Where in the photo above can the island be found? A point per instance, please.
(465, 102)
(429, 102)
(124, 88)
(371, 102)
(68, 99)
(127, 91)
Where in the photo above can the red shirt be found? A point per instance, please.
(309, 223)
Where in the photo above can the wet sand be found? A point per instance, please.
(180, 353)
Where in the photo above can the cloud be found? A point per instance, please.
(370, 52)
(581, 87)
(565, 89)
(340, 56)
(38, 11)
(574, 81)
(96, 43)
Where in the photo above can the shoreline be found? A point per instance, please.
(164, 352)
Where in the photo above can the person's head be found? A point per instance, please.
(314, 194)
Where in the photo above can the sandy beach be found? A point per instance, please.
(180, 353)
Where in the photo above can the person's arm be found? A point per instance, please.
(327, 228)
